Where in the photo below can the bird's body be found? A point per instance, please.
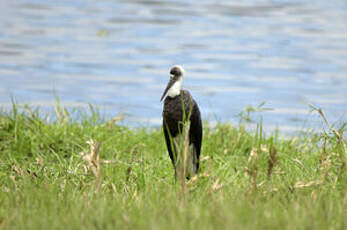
(180, 107)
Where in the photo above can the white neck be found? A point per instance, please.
(175, 88)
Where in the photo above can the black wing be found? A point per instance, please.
(196, 130)
(172, 117)
(168, 142)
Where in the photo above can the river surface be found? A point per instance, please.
(117, 55)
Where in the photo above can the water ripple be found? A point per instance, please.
(117, 54)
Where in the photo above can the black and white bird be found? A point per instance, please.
(179, 106)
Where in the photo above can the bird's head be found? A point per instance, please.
(174, 86)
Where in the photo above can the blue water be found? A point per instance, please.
(117, 55)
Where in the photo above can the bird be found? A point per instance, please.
(179, 108)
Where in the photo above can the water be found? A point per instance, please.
(117, 55)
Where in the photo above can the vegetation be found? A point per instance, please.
(87, 173)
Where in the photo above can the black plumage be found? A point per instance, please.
(173, 119)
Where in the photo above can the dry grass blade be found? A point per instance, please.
(192, 180)
(63, 185)
(273, 160)
(216, 186)
(39, 161)
(13, 178)
(324, 152)
(204, 158)
(111, 123)
(301, 184)
(92, 159)
(337, 134)
(299, 163)
(110, 161)
(271, 190)
(253, 156)
(264, 148)
(252, 167)
(339, 137)
(134, 196)
(182, 175)
(325, 166)
(18, 170)
(196, 178)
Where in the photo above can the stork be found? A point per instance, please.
(179, 110)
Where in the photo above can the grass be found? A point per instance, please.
(51, 178)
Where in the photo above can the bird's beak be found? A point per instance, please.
(171, 82)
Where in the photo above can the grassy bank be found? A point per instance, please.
(50, 178)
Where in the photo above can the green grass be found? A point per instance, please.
(288, 183)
